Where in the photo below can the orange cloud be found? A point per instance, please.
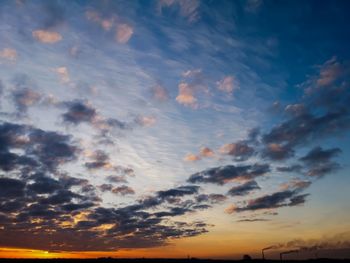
(186, 95)
(231, 209)
(191, 157)
(8, 54)
(47, 37)
(206, 152)
(124, 33)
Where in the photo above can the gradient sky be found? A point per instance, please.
(169, 128)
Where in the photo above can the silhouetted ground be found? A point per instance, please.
(150, 260)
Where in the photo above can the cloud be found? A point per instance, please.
(191, 86)
(47, 37)
(78, 112)
(24, 98)
(329, 72)
(179, 191)
(63, 74)
(227, 85)
(160, 93)
(318, 155)
(52, 205)
(146, 121)
(295, 109)
(191, 157)
(319, 161)
(240, 150)
(274, 200)
(99, 160)
(123, 190)
(106, 23)
(295, 184)
(186, 95)
(292, 168)
(204, 152)
(211, 198)
(9, 54)
(322, 169)
(224, 174)
(243, 189)
(251, 220)
(275, 151)
(307, 127)
(187, 8)
(116, 179)
(123, 33)
(11, 188)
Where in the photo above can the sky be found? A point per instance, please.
(170, 128)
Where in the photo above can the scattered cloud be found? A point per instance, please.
(224, 174)
(123, 33)
(160, 93)
(187, 8)
(47, 37)
(227, 85)
(63, 74)
(243, 189)
(186, 95)
(239, 150)
(9, 54)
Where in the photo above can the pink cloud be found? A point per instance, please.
(186, 95)
(47, 37)
(8, 54)
(227, 85)
(123, 33)
(160, 93)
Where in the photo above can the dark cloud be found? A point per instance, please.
(100, 160)
(223, 174)
(179, 191)
(318, 155)
(243, 189)
(211, 198)
(306, 127)
(322, 169)
(51, 148)
(251, 220)
(123, 190)
(78, 112)
(274, 151)
(11, 188)
(24, 95)
(41, 148)
(291, 168)
(253, 135)
(116, 179)
(319, 163)
(275, 200)
(240, 150)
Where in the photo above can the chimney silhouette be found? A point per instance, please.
(288, 252)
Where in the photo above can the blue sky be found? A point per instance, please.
(224, 114)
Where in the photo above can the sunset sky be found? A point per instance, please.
(170, 128)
